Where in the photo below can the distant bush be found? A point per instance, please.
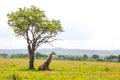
(3, 55)
(19, 56)
(95, 56)
(38, 55)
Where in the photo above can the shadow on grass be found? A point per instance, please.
(26, 69)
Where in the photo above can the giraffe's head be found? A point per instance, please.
(53, 53)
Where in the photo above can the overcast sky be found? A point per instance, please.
(88, 24)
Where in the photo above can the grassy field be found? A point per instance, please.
(17, 69)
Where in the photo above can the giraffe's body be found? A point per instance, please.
(45, 66)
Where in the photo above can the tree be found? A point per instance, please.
(95, 56)
(4, 55)
(85, 57)
(38, 55)
(32, 24)
(112, 57)
(119, 57)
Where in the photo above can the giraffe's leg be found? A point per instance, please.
(47, 68)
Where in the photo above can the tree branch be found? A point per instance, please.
(45, 39)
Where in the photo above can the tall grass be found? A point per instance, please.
(17, 69)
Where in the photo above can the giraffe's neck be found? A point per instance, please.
(49, 59)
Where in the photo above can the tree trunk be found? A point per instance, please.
(31, 56)
(31, 60)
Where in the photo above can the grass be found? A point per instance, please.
(17, 69)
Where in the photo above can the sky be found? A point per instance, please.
(87, 24)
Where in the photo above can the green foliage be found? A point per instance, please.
(37, 56)
(32, 19)
(119, 58)
(40, 56)
(19, 56)
(112, 58)
(85, 57)
(107, 69)
(14, 77)
(4, 55)
(95, 56)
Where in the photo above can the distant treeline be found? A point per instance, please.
(21, 55)
(84, 57)
(94, 57)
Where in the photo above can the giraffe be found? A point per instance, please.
(46, 64)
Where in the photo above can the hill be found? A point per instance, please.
(62, 51)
